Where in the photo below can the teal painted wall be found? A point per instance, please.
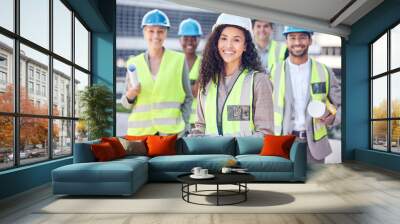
(356, 70)
(27, 177)
(379, 159)
(100, 17)
(103, 52)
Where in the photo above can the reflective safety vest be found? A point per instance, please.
(193, 76)
(319, 88)
(158, 106)
(237, 114)
(276, 53)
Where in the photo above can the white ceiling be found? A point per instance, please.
(327, 16)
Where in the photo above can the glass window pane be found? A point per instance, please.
(379, 97)
(35, 21)
(81, 131)
(395, 47)
(395, 136)
(33, 139)
(34, 97)
(62, 89)
(379, 135)
(379, 55)
(6, 142)
(81, 81)
(6, 74)
(81, 45)
(7, 14)
(62, 138)
(395, 94)
(62, 29)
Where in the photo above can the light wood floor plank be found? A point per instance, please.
(377, 191)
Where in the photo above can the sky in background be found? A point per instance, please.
(34, 26)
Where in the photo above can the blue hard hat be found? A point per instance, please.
(155, 18)
(190, 27)
(292, 29)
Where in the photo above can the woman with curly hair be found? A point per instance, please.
(235, 95)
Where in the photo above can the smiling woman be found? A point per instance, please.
(156, 108)
(235, 96)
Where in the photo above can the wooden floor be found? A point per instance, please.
(377, 188)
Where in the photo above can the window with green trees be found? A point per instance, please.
(385, 92)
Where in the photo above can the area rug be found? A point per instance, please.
(167, 198)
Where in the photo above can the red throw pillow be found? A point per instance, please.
(103, 152)
(116, 145)
(161, 145)
(277, 145)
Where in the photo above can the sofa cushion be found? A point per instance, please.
(130, 158)
(83, 152)
(249, 145)
(116, 145)
(257, 163)
(161, 145)
(134, 137)
(207, 145)
(185, 163)
(112, 171)
(103, 152)
(134, 147)
(277, 145)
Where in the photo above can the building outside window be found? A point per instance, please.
(3, 72)
(43, 78)
(30, 87)
(3, 78)
(37, 75)
(30, 72)
(43, 90)
(385, 96)
(38, 89)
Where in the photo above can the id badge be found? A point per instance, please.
(238, 112)
(319, 87)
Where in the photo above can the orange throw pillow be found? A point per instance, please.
(136, 138)
(161, 145)
(277, 145)
(103, 152)
(116, 145)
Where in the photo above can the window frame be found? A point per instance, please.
(16, 114)
(388, 74)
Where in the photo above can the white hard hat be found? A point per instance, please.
(229, 19)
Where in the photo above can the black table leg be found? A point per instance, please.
(245, 193)
(217, 194)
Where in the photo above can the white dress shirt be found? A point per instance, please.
(300, 78)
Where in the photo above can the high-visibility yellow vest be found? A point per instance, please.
(158, 106)
(276, 53)
(237, 114)
(319, 79)
(193, 76)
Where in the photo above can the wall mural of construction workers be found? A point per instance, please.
(307, 95)
(269, 50)
(235, 80)
(190, 33)
(235, 97)
(158, 88)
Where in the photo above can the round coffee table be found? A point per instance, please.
(238, 179)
